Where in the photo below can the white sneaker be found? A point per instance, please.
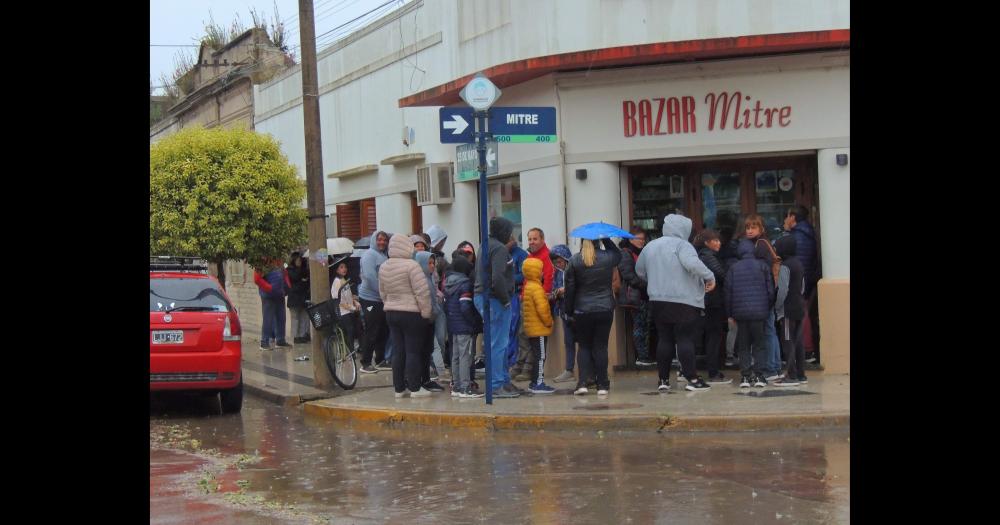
(775, 376)
(602, 392)
(423, 392)
(455, 393)
(404, 393)
(580, 391)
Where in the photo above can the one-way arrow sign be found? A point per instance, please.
(456, 125)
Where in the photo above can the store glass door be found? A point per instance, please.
(721, 208)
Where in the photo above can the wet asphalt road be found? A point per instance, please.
(308, 470)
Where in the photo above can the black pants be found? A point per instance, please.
(408, 332)
(714, 323)
(673, 333)
(591, 331)
(428, 350)
(751, 333)
(790, 336)
(347, 322)
(538, 346)
(376, 332)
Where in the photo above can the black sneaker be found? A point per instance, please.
(282, 343)
(384, 365)
(433, 386)
(369, 370)
(480, 365)
(785, 381)
(697, 385)
(760, 381)
(802, 379)
(664, 385)
(745, 381)
(718, 379)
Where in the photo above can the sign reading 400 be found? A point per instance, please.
(521, 139)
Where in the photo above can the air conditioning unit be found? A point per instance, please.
(434, 184)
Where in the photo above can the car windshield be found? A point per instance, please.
(186, 294)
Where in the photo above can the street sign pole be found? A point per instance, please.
(484, 251)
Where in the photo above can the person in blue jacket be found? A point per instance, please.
(464, 322)
(749, 296)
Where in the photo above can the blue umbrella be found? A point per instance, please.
(599, 230)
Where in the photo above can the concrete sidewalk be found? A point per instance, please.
(632, 404)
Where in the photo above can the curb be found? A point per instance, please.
(656, 423)
(279, 398)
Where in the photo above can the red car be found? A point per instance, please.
(194, 332)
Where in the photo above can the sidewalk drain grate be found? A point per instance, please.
(774, 393)
(607, 406)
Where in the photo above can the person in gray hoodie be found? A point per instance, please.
(500, 267)
(427, 265)
(376, 328)
(676, 281)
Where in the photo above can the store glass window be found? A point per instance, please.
(504, 200)
(720, 197)
(774, 193)
(653, 197)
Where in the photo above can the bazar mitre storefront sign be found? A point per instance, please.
(724, 110)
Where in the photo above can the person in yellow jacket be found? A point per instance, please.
(537, 315)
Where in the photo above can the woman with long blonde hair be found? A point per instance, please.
(590, 306)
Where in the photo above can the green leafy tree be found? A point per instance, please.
(224, 194)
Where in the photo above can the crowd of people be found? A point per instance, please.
(424, 310)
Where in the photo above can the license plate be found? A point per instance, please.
(168, 337)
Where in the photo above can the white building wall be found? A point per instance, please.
(543, 204)
(835, 213)
(392, 213)
(595, 199)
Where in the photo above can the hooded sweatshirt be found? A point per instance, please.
(371, 261)
(671, 267)
(402, 285)
(790, 302)
(805, 250)
(423, 259)
(548, 270)
(463, 318)
(500, 264)
(438, 236)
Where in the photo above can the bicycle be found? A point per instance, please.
(340, 360)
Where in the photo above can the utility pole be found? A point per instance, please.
(319, 278)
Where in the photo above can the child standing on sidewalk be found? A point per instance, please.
(464, 322)
(537, 322)
(749, 296)
(790, 310)
(560, 256)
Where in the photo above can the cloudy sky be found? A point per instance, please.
(177, 25)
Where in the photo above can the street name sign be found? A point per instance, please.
(523, 124)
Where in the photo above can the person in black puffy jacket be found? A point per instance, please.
(749, 294)
(632, 296)
(708, 244)
(590, 305)
(464, 322)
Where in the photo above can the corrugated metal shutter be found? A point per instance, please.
(367, 215)
(349, 221)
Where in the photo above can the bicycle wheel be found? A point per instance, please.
(341, 361)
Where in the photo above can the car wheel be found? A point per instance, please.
(232, 399)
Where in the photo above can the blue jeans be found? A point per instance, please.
(274, 320)
(440, 339)
(499, 338)
(570, 342)
(772, 364)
